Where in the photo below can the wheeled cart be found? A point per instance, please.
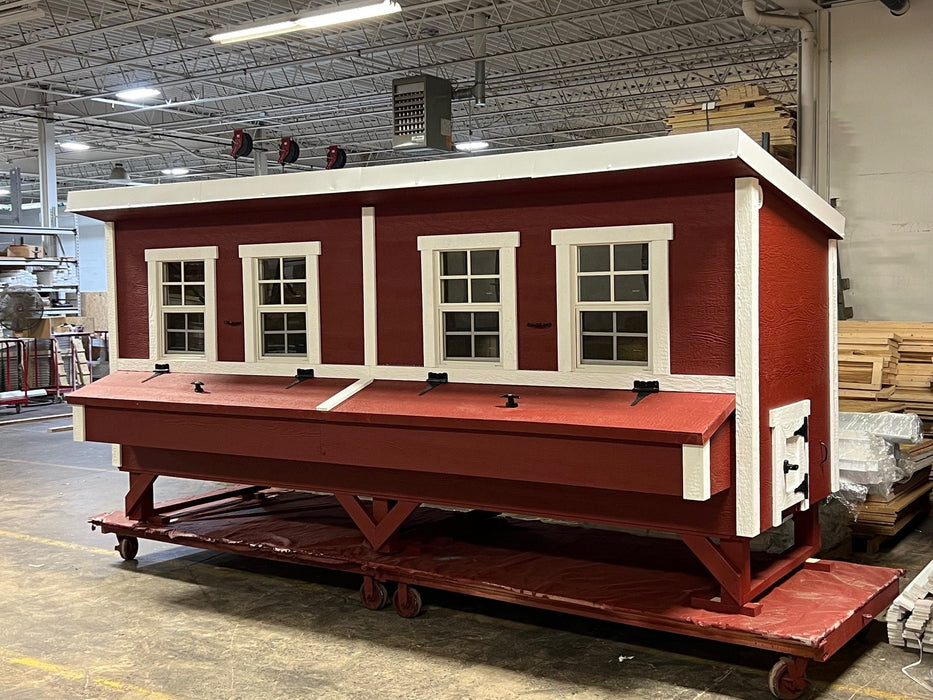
(604, 574)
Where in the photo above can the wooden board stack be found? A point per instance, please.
(746, 107)
(890, 361)
(909, 617)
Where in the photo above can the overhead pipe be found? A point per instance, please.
(806, 81)
(478, 89)
(897, 7)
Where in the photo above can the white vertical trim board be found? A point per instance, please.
(113, 331)
(250, 255)
(747, 390)
(77, 421)
(657, 236)
(430, 248)
(370, 328)
(116, 455)
(696, 472)
(833, 272)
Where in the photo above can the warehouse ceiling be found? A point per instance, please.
(559, 72)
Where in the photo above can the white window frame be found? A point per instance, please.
(250, 256)
(565, 241)
(431, 248)
(154, 258)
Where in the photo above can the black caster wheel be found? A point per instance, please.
(18, 408)
(788, 678)
(407, 601)
(376, 598)
(128, 547)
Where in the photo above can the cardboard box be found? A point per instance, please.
(24, 251)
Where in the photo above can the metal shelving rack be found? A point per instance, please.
(51, 241)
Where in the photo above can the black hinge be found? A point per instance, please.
(435, 379)
(804, 487)
(804, 430)
(301, 375)
(645, 389)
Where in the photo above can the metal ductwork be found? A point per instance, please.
(897, 7)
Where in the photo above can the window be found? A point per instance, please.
(468, 299)
(612, 298)
(182, 303)
(281, 305)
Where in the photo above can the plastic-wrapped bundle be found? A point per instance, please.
(868, 459)
(900, 428)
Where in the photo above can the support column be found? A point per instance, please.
(48, 183)
(260, 159)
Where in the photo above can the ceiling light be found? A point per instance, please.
(73, 146)
(472, 145)
(137, 94)
(324, 17)
(175, 171)
(118, 175)
(4, 192)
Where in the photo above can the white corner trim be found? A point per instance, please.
(469, 241)
(344, 394)
(696, 472)
(280, 250)
(116, 455)
(77, 421)
(657, 236)
(208, 252)
(594, 235)
(747, 389)
(833, 272)
(113, 331)
(370, 328)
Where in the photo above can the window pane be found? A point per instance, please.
(484, 262)
(273, 322)
(175, 341)
(295, 293)
(487, 346)
(456, 346)
(631, 257)
(171, 272)
(195, 322)
(194, 294)
(632, 349)
(597, 321)
(270, 293)
(453, 263)
(595, 288)
(632, 321)
(486, 321)
(171, 295)
(269, 269)
(175, 322)
(196, 341)
(484, 291)
(293, 268)
(194, 271)
(597, 347)
(457, 321)
(454, 291)
(593, 258)
(295, 322)
(631, 287)
(297, 344)
(273, 344)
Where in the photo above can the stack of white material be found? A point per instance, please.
(909, 617)
(869, 457)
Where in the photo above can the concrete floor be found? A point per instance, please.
(78, 622)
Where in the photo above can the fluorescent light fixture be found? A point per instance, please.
(341, 13)
(175, 171)
(73, 146)
(471, 145)
(4, 192)
(137, 94)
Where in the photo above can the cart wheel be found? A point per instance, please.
(18, 408)
(128, 547)
(377, 598)
(788, 678)
(407, 601)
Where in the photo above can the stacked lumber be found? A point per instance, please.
(920, 454)
(887, 360)
(909, 617)
(746, 107)
(887, 518)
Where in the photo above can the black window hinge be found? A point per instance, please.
(645, 389)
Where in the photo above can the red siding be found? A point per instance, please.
(794, 330)
(341, 272)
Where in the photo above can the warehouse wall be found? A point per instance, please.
(881, 156)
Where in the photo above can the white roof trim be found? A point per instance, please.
(682, 149)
